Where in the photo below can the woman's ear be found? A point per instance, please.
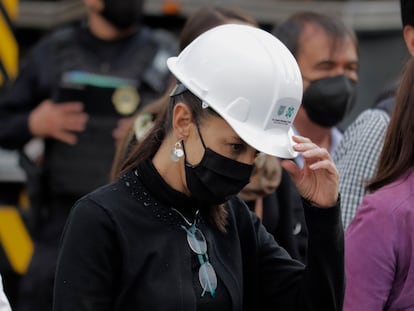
(182, 120)
(408, 33)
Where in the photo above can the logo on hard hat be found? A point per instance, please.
(285, 115)
(289, 113)
(281, 110)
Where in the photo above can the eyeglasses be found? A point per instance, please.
(198, 244)
(206, 273)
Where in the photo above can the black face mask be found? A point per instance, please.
(122, 13)
(216, 178)
(328, 100)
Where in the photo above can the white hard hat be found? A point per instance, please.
(249, 78)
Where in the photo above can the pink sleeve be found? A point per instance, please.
(370, 256)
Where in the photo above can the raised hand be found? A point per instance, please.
(317, 181)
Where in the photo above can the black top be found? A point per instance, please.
(123, 249)
(284, 218)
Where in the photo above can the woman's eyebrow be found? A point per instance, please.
(238, 139)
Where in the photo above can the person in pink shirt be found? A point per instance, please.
(379, 242)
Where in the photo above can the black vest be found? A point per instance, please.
(76, 170)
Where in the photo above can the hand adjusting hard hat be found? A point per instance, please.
(249, 78)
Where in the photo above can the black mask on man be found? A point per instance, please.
(216, 178)
(122, 13)
(328, 100)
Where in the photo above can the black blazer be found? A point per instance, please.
(124, 250)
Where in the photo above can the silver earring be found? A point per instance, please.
(177, 151)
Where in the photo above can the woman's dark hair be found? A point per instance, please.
(209, 17)
(397, 155)
(162, 127)
(407, 12)
(290, 31)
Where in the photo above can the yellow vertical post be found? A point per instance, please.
(15, 239)
(9, 52)
(14, 236)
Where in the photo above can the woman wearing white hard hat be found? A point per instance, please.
(171, 234)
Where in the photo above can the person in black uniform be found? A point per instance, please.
(171, 232)
(77, 89)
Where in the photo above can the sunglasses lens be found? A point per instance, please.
(206, 273)
(208, 278)
(196, 241)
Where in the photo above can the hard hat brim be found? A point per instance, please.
(275, 142)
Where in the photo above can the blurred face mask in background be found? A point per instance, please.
(122, 13)
(328, 100)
